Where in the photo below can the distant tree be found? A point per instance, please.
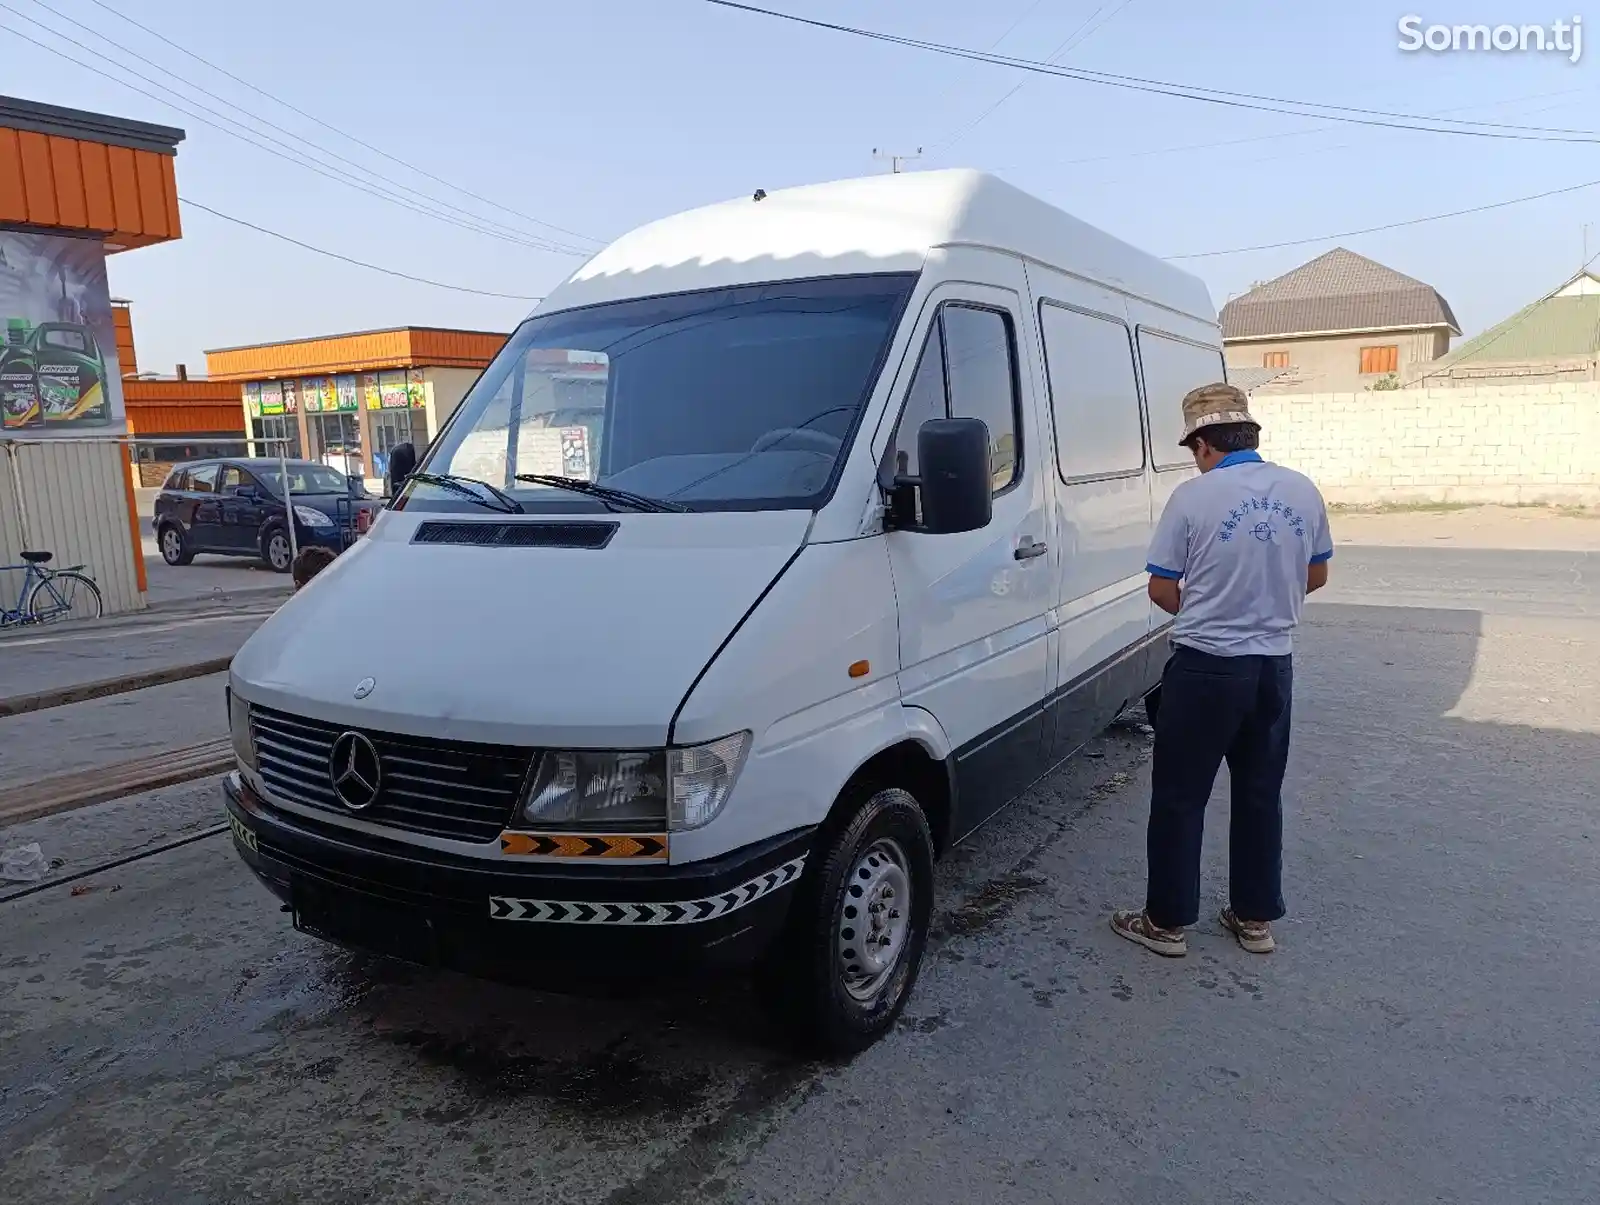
(1386, 385)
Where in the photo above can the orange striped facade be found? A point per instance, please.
(128, 196)
(367, 351)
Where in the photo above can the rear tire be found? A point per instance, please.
(174, 546)
(64, 596)
(844, 967)
(275, 550)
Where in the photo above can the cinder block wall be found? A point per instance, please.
(1513, 444)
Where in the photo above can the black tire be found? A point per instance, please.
(1152, 706)
(175, 548)
(76, 590)
(805, 979)
(276, 553)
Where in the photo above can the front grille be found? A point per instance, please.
(453, 789)
(587, 535)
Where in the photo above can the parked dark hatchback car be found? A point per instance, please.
(236, 508)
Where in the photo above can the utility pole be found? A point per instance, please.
(896, 160)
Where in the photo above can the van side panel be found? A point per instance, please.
(1176, 354)
(1101, 503)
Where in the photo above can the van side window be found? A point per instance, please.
(983, 381)
(1172, 367)
(1094, 394)
(967, 370)
(203, 480)
(178, 481)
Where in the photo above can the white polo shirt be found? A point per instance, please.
(1240, 538)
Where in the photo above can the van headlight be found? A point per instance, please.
(312, 517)
(675, 789)
(244, 745)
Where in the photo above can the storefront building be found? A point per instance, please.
(173, 417)
(75, 187)
(347, 400)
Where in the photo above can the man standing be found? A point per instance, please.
(1234, 556)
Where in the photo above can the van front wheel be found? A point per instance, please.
(842, 972)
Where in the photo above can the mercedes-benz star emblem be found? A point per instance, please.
(365, 687)
(355, 771)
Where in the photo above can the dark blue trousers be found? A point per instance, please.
(1214, 708)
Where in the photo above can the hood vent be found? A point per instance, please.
(540, 534)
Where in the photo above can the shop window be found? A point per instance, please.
(335, 440)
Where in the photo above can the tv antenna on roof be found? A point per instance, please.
(896, 160)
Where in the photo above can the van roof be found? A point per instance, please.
(885, 223)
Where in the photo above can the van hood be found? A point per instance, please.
(516, 645)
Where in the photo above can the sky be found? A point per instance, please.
(599, 115)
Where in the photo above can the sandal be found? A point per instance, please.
(1254, 935)
(1137, 927)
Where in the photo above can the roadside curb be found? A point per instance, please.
(64, 792)
(84, 691)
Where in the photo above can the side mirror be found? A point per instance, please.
(402, 463)
(955, 482)
(247, 492)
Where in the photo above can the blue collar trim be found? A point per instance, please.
(1233, 458)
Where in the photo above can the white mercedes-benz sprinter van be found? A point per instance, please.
(783, 545)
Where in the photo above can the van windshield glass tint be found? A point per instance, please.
(741, 398)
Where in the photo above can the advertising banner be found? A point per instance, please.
(252, 398)
(311, 395)
(392, 389)
(330, 395)
(416, 391)
(291, 397)
(59, 373)
(370, 392)
(271, 398)
(348, 391)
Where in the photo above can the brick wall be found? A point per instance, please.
(1532, 443)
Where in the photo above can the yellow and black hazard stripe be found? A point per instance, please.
(583, 845)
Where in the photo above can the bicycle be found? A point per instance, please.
(51, 595)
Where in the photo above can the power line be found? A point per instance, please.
(292, 155)
(1280, 135)
(263, 121)
(1347, 114)
(421, 280)
(1437, 217)
(1070, 43)
(335, 129)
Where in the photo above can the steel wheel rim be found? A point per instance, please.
(874, 922)
(170, 544)
(278, 551)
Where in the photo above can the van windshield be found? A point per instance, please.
(729, 399)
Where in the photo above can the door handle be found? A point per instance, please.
(1029, 549)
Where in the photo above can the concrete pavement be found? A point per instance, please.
(1426, 1031)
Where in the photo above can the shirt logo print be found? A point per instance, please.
(1263, 530)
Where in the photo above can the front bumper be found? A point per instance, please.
(541, 923)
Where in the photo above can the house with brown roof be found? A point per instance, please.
(1338, 324)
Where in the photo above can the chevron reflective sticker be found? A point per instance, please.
(584, 845)
(675, 912)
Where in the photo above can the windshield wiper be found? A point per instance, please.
(609, 495)
(498, 500)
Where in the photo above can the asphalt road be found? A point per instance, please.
(1426, 1032)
